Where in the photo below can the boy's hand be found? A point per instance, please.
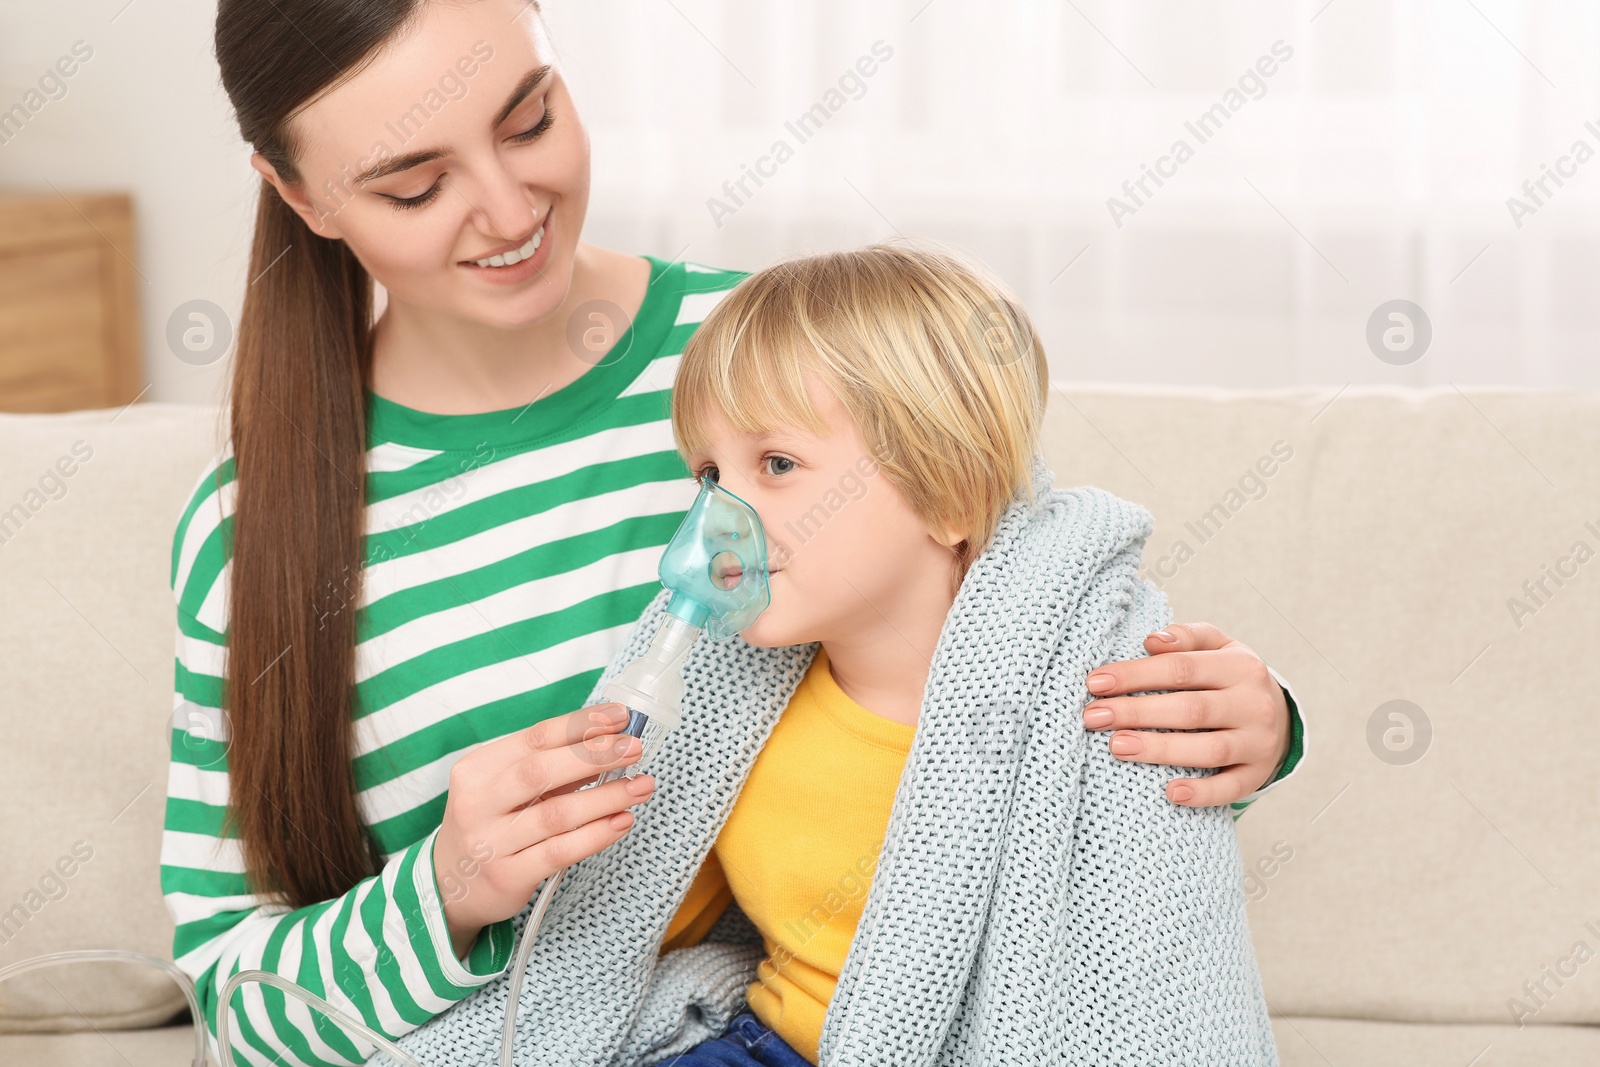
(1223, 690)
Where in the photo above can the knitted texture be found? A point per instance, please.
(1036, 900)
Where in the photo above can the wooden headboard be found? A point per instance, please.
(69, 320)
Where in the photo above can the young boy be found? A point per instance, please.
(879, 409)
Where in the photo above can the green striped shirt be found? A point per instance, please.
(507, 556)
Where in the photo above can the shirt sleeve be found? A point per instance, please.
(380, 952)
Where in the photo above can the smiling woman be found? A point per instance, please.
(311, 838)
(425, 737)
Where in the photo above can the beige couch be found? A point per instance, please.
(1372, 545)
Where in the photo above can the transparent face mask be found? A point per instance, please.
(716, 564)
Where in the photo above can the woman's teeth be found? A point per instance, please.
(516, 255)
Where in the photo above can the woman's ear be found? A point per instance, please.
(295, 196)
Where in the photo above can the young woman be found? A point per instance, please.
(425, 537)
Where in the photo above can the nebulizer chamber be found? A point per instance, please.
(716, 567)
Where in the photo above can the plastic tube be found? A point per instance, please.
(651, 688)
(101, 955)
(519, 966)
(225, 1045)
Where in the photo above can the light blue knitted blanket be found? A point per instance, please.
(1036, 901)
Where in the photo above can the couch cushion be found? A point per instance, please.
(161, 1046)
(88, 504)
(1380, 555)
(1309, 1042)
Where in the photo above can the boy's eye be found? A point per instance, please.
(780, 464)
(708, 471)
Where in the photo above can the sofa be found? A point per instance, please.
(1421, 564)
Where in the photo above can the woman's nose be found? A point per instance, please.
(505, 209)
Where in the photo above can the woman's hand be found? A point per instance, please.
(514, 815)
(1223, 690)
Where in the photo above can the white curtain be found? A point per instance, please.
(1339, 155)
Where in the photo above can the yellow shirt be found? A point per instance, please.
(799, 848)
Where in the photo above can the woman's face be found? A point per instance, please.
(457, 142)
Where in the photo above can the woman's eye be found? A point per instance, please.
(538, 128)
(403, 203)
(780, 464)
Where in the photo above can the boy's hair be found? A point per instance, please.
(937, 363)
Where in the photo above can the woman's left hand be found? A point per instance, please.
(1222, 689)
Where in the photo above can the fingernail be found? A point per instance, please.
(623, 746)
(1162, 635)
(1180, 793)
(616, 714)
(1100, 683)
(1097, 718)
(640, 784)
(1125, 744)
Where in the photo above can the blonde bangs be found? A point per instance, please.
(939, 366)
(747, 364)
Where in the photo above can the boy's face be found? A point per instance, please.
(844, 550)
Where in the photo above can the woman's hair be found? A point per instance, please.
(937, 363)
(298, 426)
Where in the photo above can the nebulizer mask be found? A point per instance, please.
(716, 567)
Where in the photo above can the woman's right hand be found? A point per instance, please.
(515, 815)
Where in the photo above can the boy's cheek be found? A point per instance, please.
(784, 620)
(778, 552)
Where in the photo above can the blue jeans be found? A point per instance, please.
(747, 1042)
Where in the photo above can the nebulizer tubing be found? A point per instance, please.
(300, 993)
(716, 567)
(117, 955)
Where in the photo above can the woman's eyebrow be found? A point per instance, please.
(395, 164)
(530, 81)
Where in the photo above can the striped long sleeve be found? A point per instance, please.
(380, 952)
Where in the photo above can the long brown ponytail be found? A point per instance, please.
(299, 441)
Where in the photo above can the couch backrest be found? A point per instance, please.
(88, 504)
(1378, 546)
(1433, 547)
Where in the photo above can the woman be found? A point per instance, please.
(424, 539)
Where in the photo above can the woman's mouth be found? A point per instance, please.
(517, 265)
